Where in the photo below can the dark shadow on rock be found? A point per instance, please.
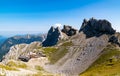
(53, 36)
(68, 30)
(94, 27)
(115, 39)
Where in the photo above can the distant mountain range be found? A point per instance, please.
(8, 42)
(2, 39)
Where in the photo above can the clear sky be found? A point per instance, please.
(36, 16)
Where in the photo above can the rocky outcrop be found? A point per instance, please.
(24, 58)
(56, 34)
(53, 36)
(115, 39)
(94, 27)
(68, 30)
(23, 52)
(5, 47)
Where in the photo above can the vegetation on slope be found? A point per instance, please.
(43, 74)
(55, 53)
(39, 68)
(16, 64)
(7, 67)
(108, 63)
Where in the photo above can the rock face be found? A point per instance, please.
(81, 54)
(68, 30)
(5, 47)
(22, 52)
(86, 47)
(53, 36)
(115, 39)
(24, 58)
(94, 27)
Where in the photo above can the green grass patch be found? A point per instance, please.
(106, 65)
(67, 43)
(39, 68)
(54, 54)
(7, 67)
(37, 74)
(43, 74)
(49, 50)
(16, 64)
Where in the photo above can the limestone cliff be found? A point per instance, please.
(53, 36)
(21, 50)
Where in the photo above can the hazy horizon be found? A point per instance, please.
(17, 33)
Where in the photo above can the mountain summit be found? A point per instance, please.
(54, 34)
(94, 27)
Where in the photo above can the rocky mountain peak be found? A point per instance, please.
(69, 30)
(94, 27)
(52, 29)
(54, 34)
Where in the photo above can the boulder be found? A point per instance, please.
(32, 55)
(41, 54)
(24, 58)
(94, 27)
(68, 30)
(115, 39)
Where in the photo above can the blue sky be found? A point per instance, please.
(36, 16)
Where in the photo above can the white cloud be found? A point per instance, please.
(58, 25)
